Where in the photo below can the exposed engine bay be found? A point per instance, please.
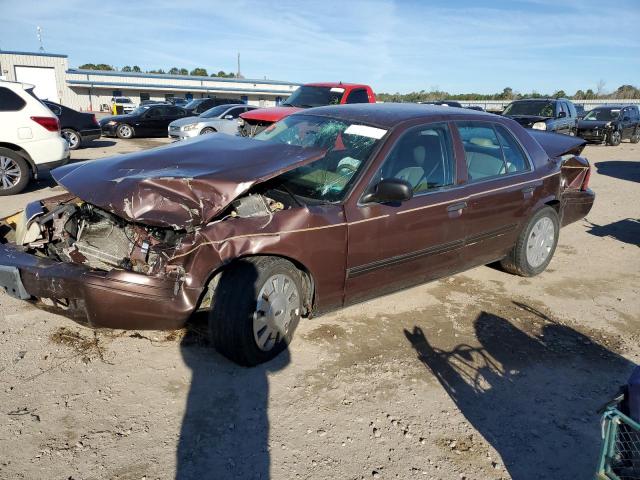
(70, 230)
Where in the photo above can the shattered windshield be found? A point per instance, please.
(603, 114)
(534, 108)
(309, 96)
(348, 146)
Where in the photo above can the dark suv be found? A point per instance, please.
(611, 124)
(551, 114)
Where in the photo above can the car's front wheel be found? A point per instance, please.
(124, 131)
(614, 138)
(635, 138)
(14, 172)
(535, 246)
(207, 130)
(72, 137)
(256, 307)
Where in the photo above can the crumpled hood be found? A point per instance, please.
(593, 123)
(184, 184)
(527, 120)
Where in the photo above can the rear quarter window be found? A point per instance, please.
(10, 101)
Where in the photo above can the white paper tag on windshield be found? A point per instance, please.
(337, 90)
(365, 131)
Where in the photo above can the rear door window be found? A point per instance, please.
(358, 96)
(490, 151)
(10, 101)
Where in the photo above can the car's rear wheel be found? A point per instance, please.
(14, 172)
(535, 246)
(256, 307)
(124, 131)
(207, 130)
(72, 137)
(614, 138)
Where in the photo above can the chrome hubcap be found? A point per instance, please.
(72, 138)
(277, 305)
(540, 242)
(125, 131)
(9, 173)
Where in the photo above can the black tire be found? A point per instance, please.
(235, 304)
(614, 138)
(124, 131)
(516, 261)
(635, 138)
(73, 138)
(12, 161)
(207, 130)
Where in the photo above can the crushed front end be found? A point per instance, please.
(95, 266)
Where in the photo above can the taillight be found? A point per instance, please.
(50, 123)
(587, 177)
(95, 120)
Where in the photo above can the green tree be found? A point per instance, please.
(126, 68)
(589, 95)
(199, 72)
(136, 69)
(104, 66)
(184, 71)
(560, 94)
(88, 66)
(159, 71)
(579, 95)
(174, 71)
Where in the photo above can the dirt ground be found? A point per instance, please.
(479, 376)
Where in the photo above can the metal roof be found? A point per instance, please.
(38, 54)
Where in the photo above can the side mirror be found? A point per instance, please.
(228, 117)
(389, 190)
(562, 114)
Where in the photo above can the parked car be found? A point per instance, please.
(178, 102)
(223, 119)
(326, 208)
(77, 127)
(306, 96)
(30, 141)
(144, 121)
(611, 124)
(154, 102)
(200, 105)
(551, 114)
(123, 103)
(445, 103)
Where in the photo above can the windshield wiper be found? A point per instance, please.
(291, 194)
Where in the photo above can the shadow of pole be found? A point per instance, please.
(532, 396)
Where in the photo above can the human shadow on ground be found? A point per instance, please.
(532, 395)
(626, 231)
(225, 428)
(622, 169)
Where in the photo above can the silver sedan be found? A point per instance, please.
(223, 119)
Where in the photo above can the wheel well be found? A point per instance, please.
(555, 204)
(214, 277)
(22, 152)
(208, 128)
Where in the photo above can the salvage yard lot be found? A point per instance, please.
(479, 376)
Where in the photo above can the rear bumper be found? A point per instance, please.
(592, 135)
(116, 299)
(108, 130)
(93, 134)
(576, 204)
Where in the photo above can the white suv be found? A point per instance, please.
(30, 140)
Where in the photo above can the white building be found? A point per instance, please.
(91, 89)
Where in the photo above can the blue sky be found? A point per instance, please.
(395, 45)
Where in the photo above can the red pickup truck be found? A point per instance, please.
(307, 96)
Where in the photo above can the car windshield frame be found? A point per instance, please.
(308, 96)
(598, 118)
(141, 109)
(194, 103)
(527, 110)
(348, 148)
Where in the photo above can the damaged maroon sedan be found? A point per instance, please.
(323, 209)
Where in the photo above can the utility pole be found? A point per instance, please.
(238, 72)
(39, 33)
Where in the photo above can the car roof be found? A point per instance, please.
(388, 115)
(614, 105)
(334, 84)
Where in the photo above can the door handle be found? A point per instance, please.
(457, 207)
